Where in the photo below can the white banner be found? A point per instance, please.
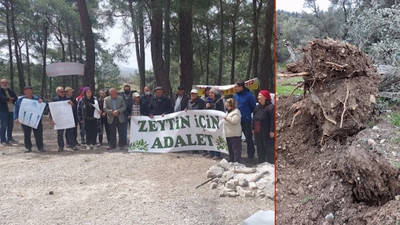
(180, 131)
(65, 68)
(62, 115)
(30, 112)
(228, 89)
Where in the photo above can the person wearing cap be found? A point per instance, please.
(145, 101)
(217, 103)
(264, 128)
(181, 100)
(114, 106)
(60, 133)
(195, 102)
(7, 103)
(86, 114)
(246, 104)
(127, 96)
(69, 92)
(38, 132)
(159, 104)
(135, 109)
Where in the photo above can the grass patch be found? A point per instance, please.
(395, 119)
(286, 86)
(307, 199)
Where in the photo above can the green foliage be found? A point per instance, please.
(395, 119)
(139, 145)
(221, 143)
(307, 199)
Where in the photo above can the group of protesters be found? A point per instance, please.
(113, 113)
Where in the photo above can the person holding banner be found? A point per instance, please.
(233, 131)
(195, 102)
(264, 128)
(216, 103)
(88, 108)
(38, 132)
(60, 133)
(246, 105)
(7, 101)
(181, 100)
(159, 104)
(145, 101)
(114, 106)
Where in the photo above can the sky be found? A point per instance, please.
(297, 5)
(114, 35)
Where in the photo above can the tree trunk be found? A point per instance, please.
(267, 74)
(233, 59)
(21, 77)
(139, 40)
(156, 36)
(256, 52)
(248, 72)
(9, 37)
(28, 61)
(221, 43)
(185, 18)
(167, 37)
(208, 55)
(89, 44)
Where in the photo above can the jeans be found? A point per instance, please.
(38, 133)
(6, 126)
(246, 129)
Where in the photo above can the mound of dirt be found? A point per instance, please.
(342, 83)
(332, 166)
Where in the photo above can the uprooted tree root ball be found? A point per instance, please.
(330, 163)
(342, 85)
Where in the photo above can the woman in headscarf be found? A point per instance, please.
(264, 128)
(86, 115)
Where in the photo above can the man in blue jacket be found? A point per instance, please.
(38, 132)
(7, 101)
(246, 105)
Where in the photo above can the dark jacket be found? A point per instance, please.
(218, 104)
(264, 119)
(128, 102)
(85, 109)
(197, 104)
(144, 104)
(4, 99)
(159, 106)
(246, 104)
(184, 102)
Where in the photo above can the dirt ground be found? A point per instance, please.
(310, 186)
(101, 187)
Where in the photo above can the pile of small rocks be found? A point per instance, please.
(235, 179)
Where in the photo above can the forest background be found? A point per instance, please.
(191, 42)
